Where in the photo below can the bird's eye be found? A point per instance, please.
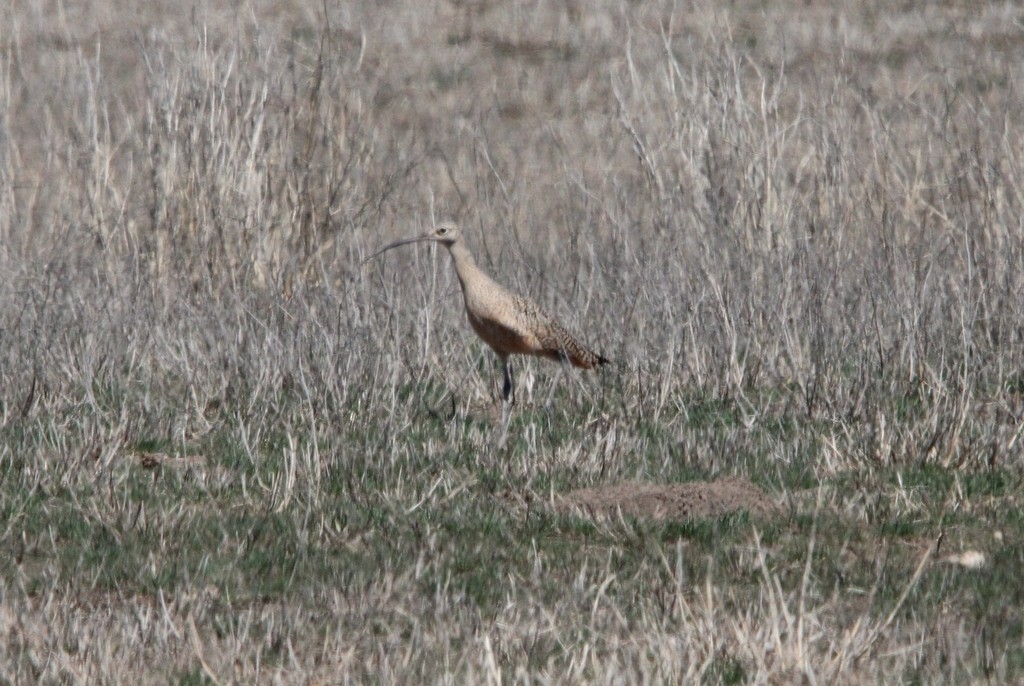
(442, 231)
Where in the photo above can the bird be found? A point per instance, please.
(509, 323)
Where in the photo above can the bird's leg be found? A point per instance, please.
(508, 397)
(508, 391)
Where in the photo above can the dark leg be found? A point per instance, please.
(509, 396)
(508, 392)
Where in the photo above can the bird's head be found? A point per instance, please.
(446, 234)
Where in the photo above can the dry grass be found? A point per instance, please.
(230, 455)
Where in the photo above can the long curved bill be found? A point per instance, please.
(396, 244)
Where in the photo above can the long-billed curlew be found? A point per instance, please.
(509, 323)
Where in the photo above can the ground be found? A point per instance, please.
(676, 502)
(233, 452)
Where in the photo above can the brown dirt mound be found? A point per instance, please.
(694, 500)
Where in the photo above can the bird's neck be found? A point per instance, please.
(464, 264)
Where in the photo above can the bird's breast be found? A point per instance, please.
(502, 333)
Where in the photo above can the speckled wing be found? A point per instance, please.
(552, 340)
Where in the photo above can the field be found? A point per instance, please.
(231, 452)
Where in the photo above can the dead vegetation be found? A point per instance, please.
(230, 455)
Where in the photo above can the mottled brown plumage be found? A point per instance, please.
(509, 323)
